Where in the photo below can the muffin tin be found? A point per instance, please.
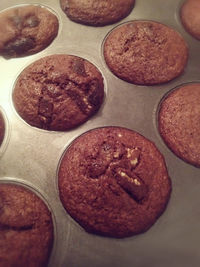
(32, 155)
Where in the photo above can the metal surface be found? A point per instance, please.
(31, 155)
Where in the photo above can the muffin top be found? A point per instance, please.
(97, 12)
(58, 92)
(26, 228)
(179, 123)
(190, 18)
(113, 182)
(145, 52)
(26, 30)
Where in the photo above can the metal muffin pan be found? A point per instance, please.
(32, 155)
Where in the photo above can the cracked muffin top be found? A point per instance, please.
(58, 92)
(145, 52)
(26, 30)
(97, 12)
(2, 128)
(113, 182)
(26, 228)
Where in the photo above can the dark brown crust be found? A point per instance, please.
(2, 128)
(145, 52)
(190, 18)
(26, 30)
(179, 123)
(97, 12)
(26, 228)
(58, 92)
(114, 182)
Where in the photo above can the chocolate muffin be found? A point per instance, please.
(26, 30)
(190, 18)
(145, 52)
(179, 124)
(58, 92)
(26, 228)
(97, 12)
(2, 128)
(113, 182)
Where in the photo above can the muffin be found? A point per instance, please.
(97, 12)
(145, 52)
(2, 128)
(26, 30)
(58, 92)
(179, 124)
(26, 228)
(190, 18)
(113, 182)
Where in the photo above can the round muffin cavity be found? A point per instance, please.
(113, 182)
(2, 128)
(179, 124)
(26, 30)
(58, 92)
(26, 228)
(190, 18)
(145, 52)
(97, 12)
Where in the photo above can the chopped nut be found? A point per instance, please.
(131, 180)
(85, 100)
(116, 154)
(128, 153)
(123, 174)
(136, 182)
(131, 151)
(89, 107)
(133, 155)
(134, 161)
(132, 184)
